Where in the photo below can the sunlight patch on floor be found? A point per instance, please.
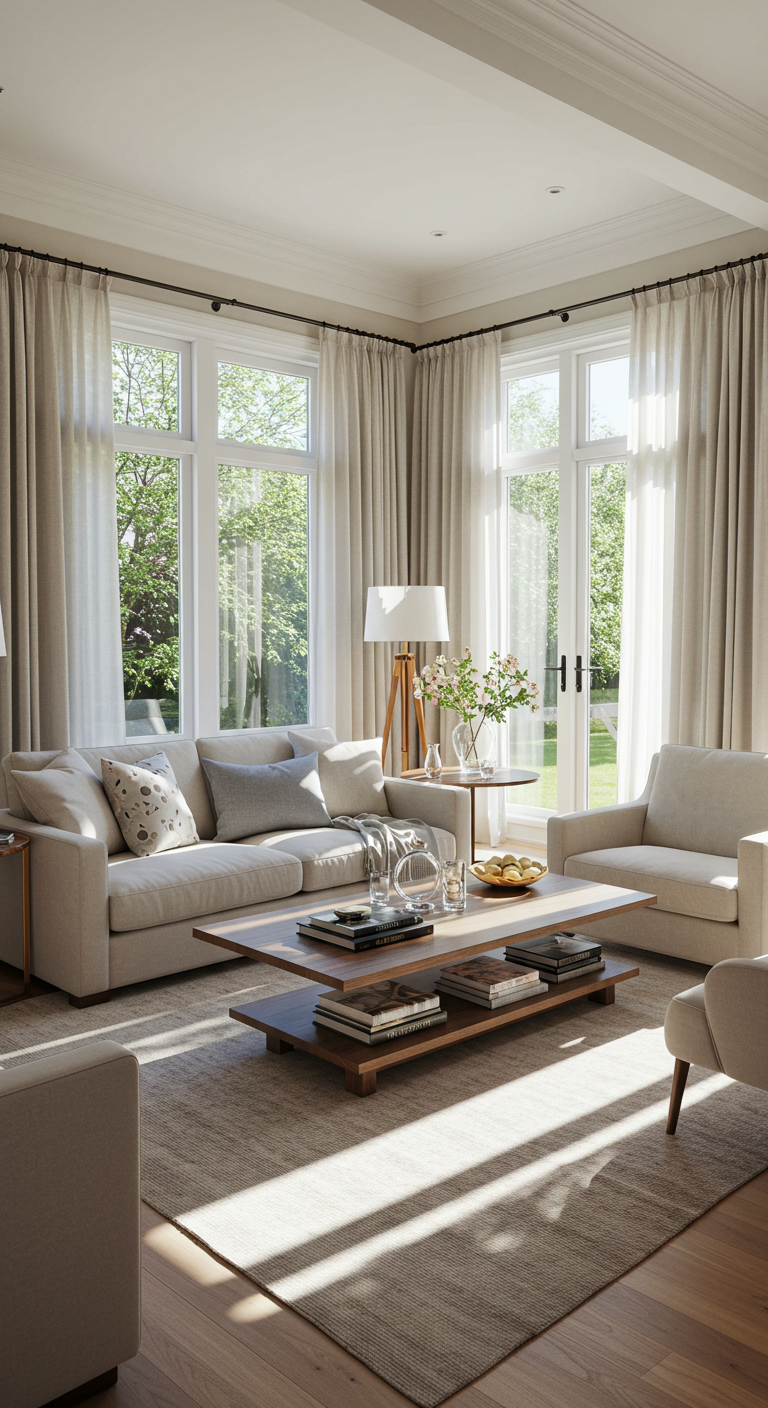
(287, 1211)
(594, 1150)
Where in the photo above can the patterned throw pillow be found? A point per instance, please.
(150, 808)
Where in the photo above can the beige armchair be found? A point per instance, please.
(722, 1024)
(69, 1191)
(697, 839)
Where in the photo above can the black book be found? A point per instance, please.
(378, 940)
(554, 951)
(376, 922)
(566, 974)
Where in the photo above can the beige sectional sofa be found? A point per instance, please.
(100, 922)
(697, 839)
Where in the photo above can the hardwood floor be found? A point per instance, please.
(688, 1326)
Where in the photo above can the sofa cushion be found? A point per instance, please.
(195, 880)
(351, 775)
(149, 806)
(684, 882)
(67, 794)
(706, 799)
(262, 797)
(331, 857)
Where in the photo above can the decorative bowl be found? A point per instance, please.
(509, 882)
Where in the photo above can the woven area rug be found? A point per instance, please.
(434, 1227)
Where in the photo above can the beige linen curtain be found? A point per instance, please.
(362, 524)
(61, 682)
(455, 515)
(694, 664)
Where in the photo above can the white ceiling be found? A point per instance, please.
(322, 158)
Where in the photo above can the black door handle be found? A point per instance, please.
(583, 669)
(560, 669)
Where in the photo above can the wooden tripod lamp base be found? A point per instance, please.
(405, 614)
(402, 678)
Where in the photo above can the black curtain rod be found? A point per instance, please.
(217, 301)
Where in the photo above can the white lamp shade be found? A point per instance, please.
(3, 650)
(406, 613)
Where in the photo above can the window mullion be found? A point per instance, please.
(205, 533)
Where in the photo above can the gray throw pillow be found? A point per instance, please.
(251, 799)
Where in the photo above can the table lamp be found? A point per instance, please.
(405, 614)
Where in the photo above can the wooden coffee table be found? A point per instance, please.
(492, 918)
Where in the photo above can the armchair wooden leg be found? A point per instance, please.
(675, 1100)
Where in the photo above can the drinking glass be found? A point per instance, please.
(378, 887)
(454, 884)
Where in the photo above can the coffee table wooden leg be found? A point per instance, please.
(364, 1084)
(605, 996)
(276, 1044)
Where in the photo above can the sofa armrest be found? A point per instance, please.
(736, 997)
(69, 906)
(597, 830)
(446, 807)
(753, 894)
(69, 1189)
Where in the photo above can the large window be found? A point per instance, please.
(214, 470)
(566, 425)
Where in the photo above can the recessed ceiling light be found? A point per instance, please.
(555, 190)
(438, 234)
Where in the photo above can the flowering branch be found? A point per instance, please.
(504, 686)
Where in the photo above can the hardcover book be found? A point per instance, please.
(488, 975)
(566, 974)
(376, 922)
(377, 1037)
(555, 949)
(378, 1003)
(389, 936)
(504, 999)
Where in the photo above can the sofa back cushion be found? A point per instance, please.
(706, 799)
(182, 756)
(351, 775)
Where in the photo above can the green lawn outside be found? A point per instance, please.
(602, 772)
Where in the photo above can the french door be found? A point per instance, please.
(565, 482)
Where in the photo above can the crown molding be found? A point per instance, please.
(103, 212)
(625, 239)
(88, 208)
(589, 49)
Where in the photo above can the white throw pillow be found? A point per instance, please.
(67, 794)
(150, 808)
(351, 775)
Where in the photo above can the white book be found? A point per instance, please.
(505, 1000)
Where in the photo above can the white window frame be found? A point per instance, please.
(204, 339)
(570, 352)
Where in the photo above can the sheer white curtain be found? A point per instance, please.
(59, 588)
(362, 524)
(694, 667)
(455, 515)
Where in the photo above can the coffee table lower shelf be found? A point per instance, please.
(287, 1021)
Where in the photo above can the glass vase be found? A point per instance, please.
(433, 767)
(475, 746)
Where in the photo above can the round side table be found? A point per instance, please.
(453, 777)
(21, 844)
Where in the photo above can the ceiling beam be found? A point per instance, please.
(549, 61)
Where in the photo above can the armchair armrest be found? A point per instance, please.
(446, 807)
(736, 998)
(597, 830)
(69, 1189)
(69, 908)
(753, 894)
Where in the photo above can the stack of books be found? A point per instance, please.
(557, 957)
(362, 928)
(489, 982)
(380, 1012)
